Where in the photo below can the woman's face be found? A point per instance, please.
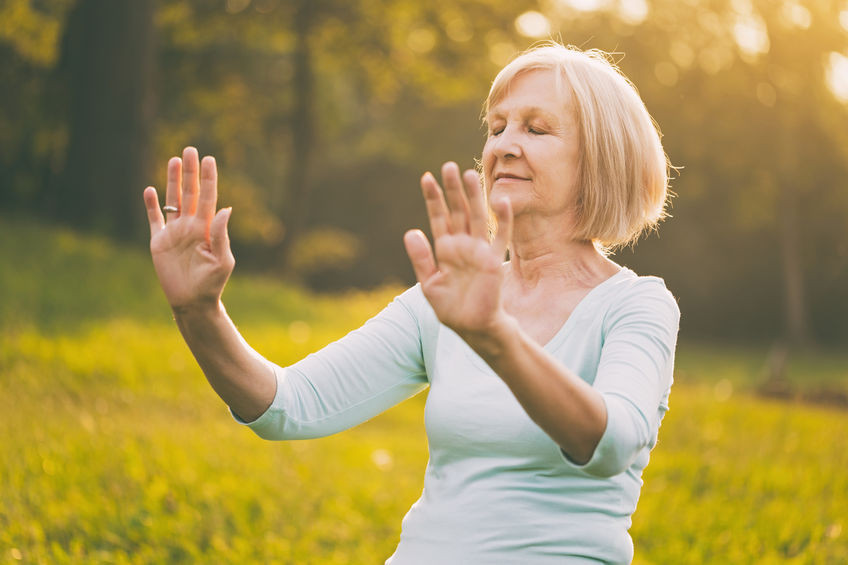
(531, 155)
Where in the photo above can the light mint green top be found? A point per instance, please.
(497, 489)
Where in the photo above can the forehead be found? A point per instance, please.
(534, 91)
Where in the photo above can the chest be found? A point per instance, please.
(471, 412)
(541, 315)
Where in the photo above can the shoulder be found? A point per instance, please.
(412, 304)
(631, 294)
(414, 301)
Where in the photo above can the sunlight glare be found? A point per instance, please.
(633, 12)
(843, 19)
(533, 24)
(837, 76)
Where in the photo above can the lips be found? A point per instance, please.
(509, 176)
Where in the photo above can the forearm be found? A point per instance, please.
(238, 374)
(567, 408)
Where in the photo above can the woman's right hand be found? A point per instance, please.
(191, 247)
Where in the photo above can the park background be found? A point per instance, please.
(322, 115)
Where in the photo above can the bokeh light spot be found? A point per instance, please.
(751, 35)
(501, 52)
(766, 94)
(533, 24)
(682, 54)
(584, 5)
(633, 12)
(382, 459)
(666, 73)
(714, 58)
(459, 30)
(421, 40)
(299, 331)
(236, 6)
(265, 6)
(723, 390)
(793, 14)
(837, 76)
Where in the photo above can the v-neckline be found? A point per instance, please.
(588, 298)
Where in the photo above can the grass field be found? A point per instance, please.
(114, 449)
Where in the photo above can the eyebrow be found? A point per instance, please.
(529, 111)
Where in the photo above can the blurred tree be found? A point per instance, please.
(31, 124)
(323, 115)
(739, 87)
(294, 95)
(108, 61)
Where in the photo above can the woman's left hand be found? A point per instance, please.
(462, 281)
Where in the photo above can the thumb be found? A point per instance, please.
(420, 254)
(219, 238)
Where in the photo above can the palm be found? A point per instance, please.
(462, 281)
(191, 252)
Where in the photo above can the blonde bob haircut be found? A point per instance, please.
(623, 176)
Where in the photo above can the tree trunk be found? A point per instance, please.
(109, 60)
(302, 127)
(795, 316)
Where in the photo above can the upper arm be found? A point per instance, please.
(637, 356)
(353, 379)
(634, 374)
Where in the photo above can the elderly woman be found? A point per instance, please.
(549, 374)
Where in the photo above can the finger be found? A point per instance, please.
(478, 218)
(420, 254)
(456, 198)
(218, 235)
(154, 213)
(503, 212)
(191, 168)
(173, 196)
(208, 196)
(437, 210)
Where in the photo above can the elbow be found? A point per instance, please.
(607, 466)
(625, 436)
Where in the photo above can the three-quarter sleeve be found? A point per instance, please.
(634, 374)
(353, 379)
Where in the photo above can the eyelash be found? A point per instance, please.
(531, 129)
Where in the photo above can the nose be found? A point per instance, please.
(507, 145)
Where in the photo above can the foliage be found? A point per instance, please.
(740, 89)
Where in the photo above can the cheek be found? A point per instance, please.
(488, 154)
(487, 160)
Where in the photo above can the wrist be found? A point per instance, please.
(198, 309)
(492, 342)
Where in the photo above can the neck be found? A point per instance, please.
(541, 252)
